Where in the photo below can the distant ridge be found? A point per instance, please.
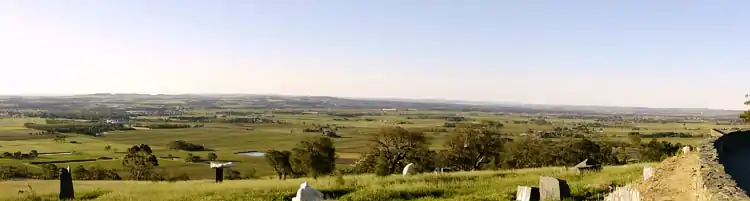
(444, 103)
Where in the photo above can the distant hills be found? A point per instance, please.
(281, 101)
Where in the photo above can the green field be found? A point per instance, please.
(469, 186)
(225, 139)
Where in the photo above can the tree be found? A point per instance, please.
(33, 154)
(392, 146)
(279, 161)
(745, 116)
(50, 171)
(634, 138)
(471, 148)
(212, 156)
(140, 162)
(60, 138)
(185, 146)
(314, 157)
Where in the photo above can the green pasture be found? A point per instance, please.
(225, 139)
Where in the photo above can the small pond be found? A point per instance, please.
(251, 153)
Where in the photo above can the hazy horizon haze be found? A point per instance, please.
(665, 54)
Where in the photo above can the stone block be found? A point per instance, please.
(527, 193)
(553, 189)
(686, 150)
(626, 193)
(648, 172)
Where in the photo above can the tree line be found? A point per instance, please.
(477, 147)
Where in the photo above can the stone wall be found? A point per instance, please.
(714, 183)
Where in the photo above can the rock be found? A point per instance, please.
(553, 189)
(527, 193)
(66, 185)
(648, 172)
(307, 193)
(408, 169)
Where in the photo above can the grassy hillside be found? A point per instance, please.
(474, 186)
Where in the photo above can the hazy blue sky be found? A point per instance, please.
(636, 52)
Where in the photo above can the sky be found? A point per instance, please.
(627, 53)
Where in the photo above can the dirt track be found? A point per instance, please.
(673, 180)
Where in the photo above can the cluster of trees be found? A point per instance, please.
(558, 132)
(94, 173)
(82, 128)
(312, 157)
(93, 114)
(194, 118)
(18, 155)
(325, 130)
(15, 172)
(254, 120)
(667, 134)
(193, 158)
(165, 126)
(185, 146)
(471, 147)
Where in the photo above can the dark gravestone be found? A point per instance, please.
(553, 189)
(219, 174)
(66, 185)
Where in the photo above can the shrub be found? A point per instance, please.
(185, 146)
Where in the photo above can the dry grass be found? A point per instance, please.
(480, 185)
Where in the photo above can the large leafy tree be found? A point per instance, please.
(279, 161)
(472, 148)
(314, 157)
(393, 147)
(140, 162)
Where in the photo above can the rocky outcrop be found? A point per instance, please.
(722, 157)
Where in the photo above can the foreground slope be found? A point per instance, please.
(673, 179)
(480, 185)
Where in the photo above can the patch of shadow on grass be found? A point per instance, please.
(393, 194)
(328, 194)
(93, 194)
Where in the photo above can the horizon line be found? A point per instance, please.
(483, 102)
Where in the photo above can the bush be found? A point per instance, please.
(185, 146)
(180, 177)
(14, 172)
(95, 173)
(168, 126)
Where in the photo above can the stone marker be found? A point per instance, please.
(408, 169)
(626, 193)
(686, 150)
(648, 172)
(553, 189)
(307, 193)
(219, 174)
(66, 185)
(527, 193)
(220, 170)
